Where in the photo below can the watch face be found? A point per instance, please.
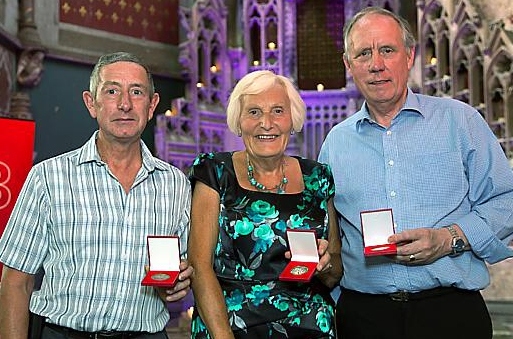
(458, 245)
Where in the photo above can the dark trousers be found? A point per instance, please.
(51, 333)
(455, 313)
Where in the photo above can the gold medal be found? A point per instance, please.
(299, 270)
(160, 276)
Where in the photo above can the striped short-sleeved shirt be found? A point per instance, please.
(74, 219)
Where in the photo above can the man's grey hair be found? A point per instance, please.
(408, 37)
(111, 58)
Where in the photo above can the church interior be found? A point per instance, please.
(197, 51)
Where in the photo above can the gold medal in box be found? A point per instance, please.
(304, 256)
(160, 276)
(299, 270)
(164, 261)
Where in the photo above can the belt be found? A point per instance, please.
(405, 296)
(434, 292)
(71, 333)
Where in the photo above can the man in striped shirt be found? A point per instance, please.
(84, 216)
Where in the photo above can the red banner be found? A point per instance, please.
(16, 154)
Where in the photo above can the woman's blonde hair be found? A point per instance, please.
(257, 82)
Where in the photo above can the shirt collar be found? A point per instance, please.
(411, 105)
(89, 153)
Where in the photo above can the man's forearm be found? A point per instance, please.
(14, 301)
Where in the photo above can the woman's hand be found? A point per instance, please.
(324, 264)
(181, 288)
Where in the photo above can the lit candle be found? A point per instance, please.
(199, 85)
(271, 45)
(189, 312)
(320, 87)
(213, 69)
(433, 61)
(172, 112)
(256, 63)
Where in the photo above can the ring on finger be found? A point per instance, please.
(412, 257)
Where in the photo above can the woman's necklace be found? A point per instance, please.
(279, 188)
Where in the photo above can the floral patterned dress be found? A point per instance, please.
(249, 255)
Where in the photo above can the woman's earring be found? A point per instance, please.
(239, 133)
(292, 132)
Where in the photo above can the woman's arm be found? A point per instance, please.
(331, 276)
(207, 292)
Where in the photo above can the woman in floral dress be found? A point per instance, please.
(243, 204)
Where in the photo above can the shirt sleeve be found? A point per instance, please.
(489, 224)
(207, 170)
(23, 244)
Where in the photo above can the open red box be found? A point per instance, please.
(304, 256)
(164, 260)
(377, 226)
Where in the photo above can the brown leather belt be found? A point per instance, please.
(71, 333)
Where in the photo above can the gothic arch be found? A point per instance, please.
(435, 50)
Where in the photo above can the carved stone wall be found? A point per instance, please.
(197, 122)
(7, 80)
(468, 56)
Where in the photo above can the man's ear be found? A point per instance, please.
(411, 58)
(346, 63)
(89, 103)
(153, 105)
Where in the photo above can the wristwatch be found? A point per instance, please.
(457, 244)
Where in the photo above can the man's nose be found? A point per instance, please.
(124, 103)
(377, 63)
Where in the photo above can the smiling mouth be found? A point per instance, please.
(266, 137)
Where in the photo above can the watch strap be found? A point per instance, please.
(453, 231)
(457, 244)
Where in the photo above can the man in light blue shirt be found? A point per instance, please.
(84, 216)
(437, 165)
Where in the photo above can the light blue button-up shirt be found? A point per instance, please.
(437, 164)
(74, 218)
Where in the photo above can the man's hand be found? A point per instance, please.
(421, 245)
(180, 289)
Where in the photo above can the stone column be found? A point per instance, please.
(30, 60)
(27, 29)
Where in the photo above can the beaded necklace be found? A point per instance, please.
(279, 188)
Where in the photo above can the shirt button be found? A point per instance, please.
(393, 194)
(389, 132)
(391, 162)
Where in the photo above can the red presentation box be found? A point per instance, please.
(304, 256)
(164, 259)
(377, 226)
